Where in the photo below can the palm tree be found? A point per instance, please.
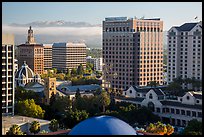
(54, 125)
(15, 130)
(35, 127)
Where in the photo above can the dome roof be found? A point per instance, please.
(24, 72)
(103, 125)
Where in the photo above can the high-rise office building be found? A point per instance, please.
(68, 56)
(32, 53)
(185, 51)
(132, 52)
(47, 56)
(8, 74)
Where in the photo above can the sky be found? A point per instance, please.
(172, 13)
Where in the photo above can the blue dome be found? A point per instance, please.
(103, 125)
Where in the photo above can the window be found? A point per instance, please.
(193, 113)
(188, 113)
(150, 96)
(200, 114)
(130, 91)
(182, 112)
(187, 97)
(158, 110)
(197, 101)
(172, 110)
(177, 111)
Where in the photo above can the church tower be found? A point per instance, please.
(49, 88)
(31, 39)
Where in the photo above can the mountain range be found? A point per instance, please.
(58, 23)
(61, 31)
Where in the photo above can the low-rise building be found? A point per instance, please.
(178, 111)
(24, 123)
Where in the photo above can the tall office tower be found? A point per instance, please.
(47, 56)
(185, 52)
(68, 55)
(132, 52)
(8, 69)
(32, 53)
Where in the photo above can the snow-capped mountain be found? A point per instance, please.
(58, 23)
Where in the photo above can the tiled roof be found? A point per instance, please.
(186, 27)
(179, 104)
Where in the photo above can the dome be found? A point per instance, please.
(103, 125)
(24, 72)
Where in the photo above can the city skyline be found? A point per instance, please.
(85, 25)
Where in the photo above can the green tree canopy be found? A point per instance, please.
(29, 108)
(15, 130)
(23, 94)
(153, 84)
(74, 117)
(74, 71)
(103, 100)
(54, 125)
(160, 128)
(80, 70)
(194, 127)
(34, 127)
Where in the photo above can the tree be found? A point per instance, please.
(160, 128)
(153, 84)
(170, 129)
(29, 108)
(15, 130)
(78, 94)
(54, 125)
(104, 100)
(174, 88)
(74, 72)
(35, 127)
(194, 127)
(23, 94)
(80, 70)
(74, 117)
(89, 66)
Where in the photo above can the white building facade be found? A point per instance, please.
(97, 63)
(177, 112)
(185, 52)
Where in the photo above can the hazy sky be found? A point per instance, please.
(172, 13)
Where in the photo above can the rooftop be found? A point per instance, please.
(186, 27)
(8, 121)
